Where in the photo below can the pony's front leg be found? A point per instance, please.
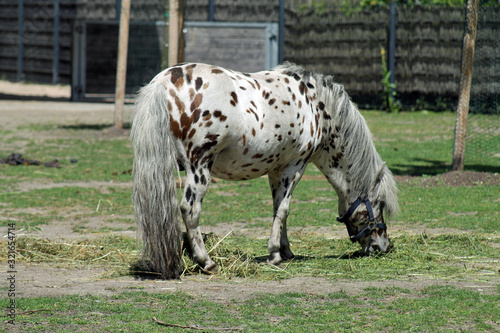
(282, 185)
(195, 189)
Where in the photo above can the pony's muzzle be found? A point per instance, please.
(377, 241)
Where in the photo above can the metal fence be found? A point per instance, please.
(36, 39)
(36, 36)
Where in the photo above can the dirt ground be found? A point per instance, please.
(35, 280)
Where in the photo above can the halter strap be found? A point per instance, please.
(345, 219)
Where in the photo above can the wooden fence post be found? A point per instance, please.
(121, 68)
(173, 33)
(180, 51)
(465, 83)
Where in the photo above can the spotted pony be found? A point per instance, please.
(238, 126)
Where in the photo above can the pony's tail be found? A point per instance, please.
(154, 192)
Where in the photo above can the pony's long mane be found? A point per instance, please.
(355, 136)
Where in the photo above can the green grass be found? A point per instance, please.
(78, 202)
(314, 203)
(421, 143)
(417, 143)
(97, 160)
(445, 309)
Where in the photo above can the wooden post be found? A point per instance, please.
(180, 52)
(121, 68)
(465, 83)
(173, 33)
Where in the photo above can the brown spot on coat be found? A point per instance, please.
(211, 137)
(175, 128)
(180, 106)
(185, 120)
(235, 98)
(198, 83)
(195, 116)
(176, 74)
(196, 102)
(302, 87)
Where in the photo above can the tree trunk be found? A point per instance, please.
(465, 85)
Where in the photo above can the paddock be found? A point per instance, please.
(75, 236)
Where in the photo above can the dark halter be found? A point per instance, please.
(372, 225)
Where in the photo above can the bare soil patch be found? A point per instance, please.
(42, 280)
(453, 178)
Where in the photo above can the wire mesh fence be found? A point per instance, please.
(483, 126)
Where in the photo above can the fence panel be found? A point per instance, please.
(428, 45)
(349, 47)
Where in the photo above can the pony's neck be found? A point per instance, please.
(351, 163)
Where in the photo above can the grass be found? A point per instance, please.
(421, 143)
(412, 144)
(468, 256)
(374, 309)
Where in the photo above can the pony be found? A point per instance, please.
(213, 121)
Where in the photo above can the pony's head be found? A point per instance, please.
(364, 217)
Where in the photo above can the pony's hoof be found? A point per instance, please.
(287, 255)
(275, 259)
(210, 268)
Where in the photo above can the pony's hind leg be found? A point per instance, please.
(282, 185)
(195, 189)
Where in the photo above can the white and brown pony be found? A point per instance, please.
(238, 126)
